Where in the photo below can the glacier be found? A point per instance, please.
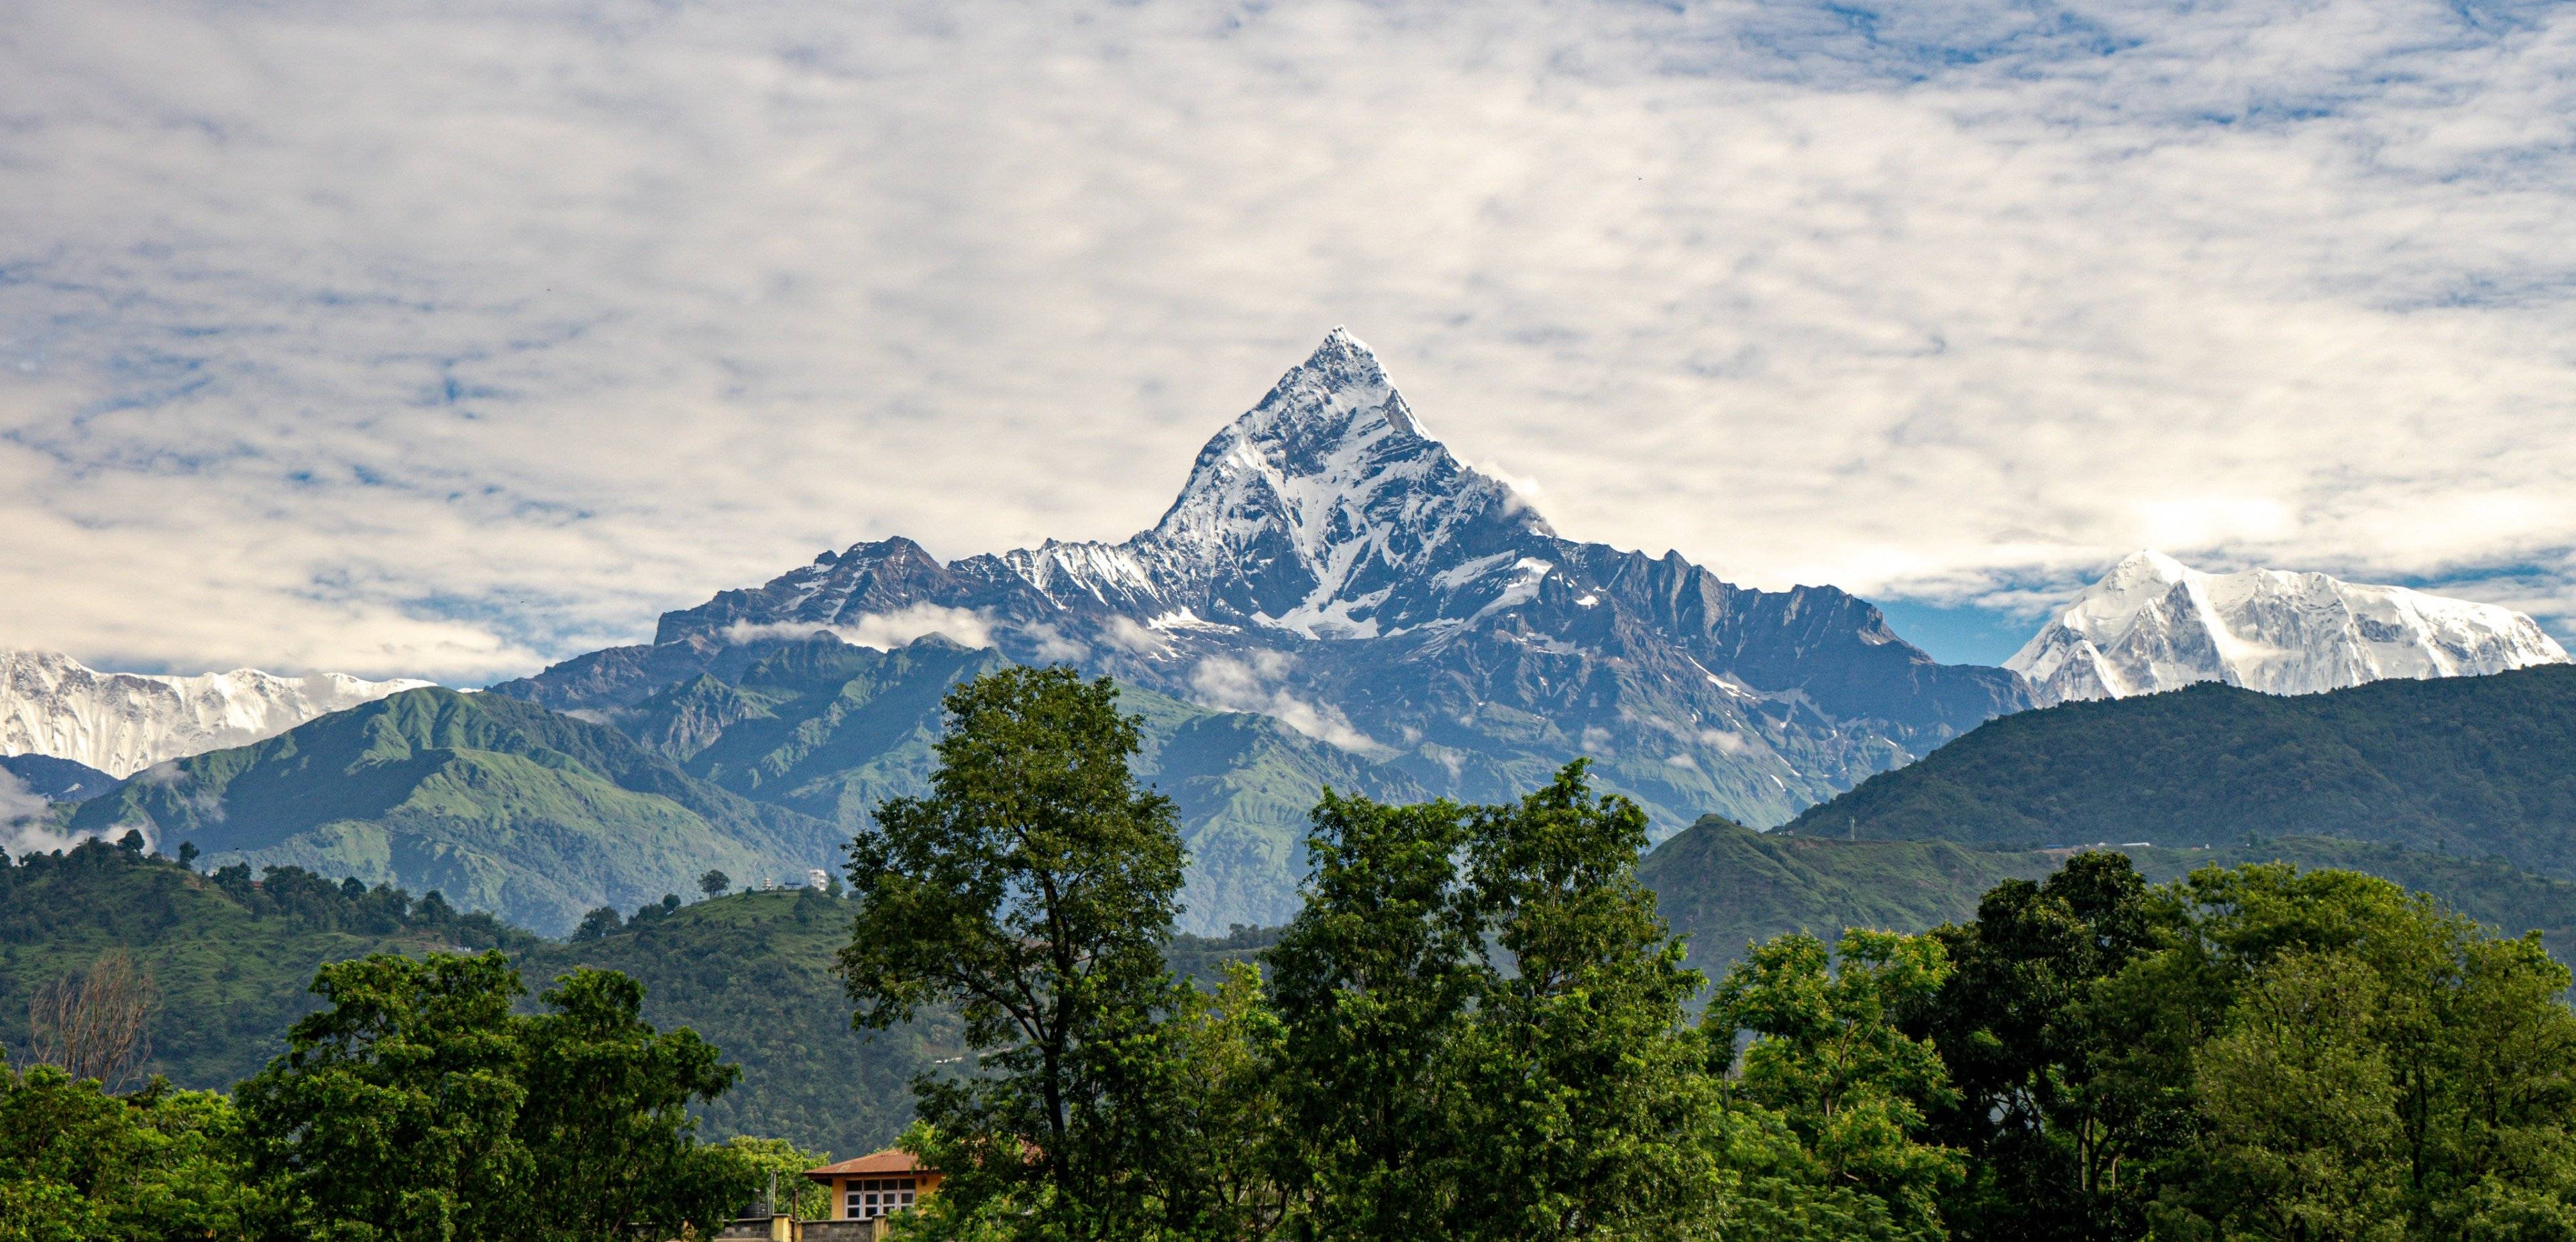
(2153, 624)
(123, 723)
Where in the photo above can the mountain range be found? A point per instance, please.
(2152, 624)
(122, 723)
(1333, 598)
(1332, 565)
(49, 779)
(539, 816)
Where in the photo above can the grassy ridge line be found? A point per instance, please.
(501, 805)
(2462, 765)
(231, 979)
(1724, 885)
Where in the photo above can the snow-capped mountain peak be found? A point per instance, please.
(2152, 624)
(1324, 494)
(122, 723)
(1333, 567)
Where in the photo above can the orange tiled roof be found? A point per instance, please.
(880, 1162)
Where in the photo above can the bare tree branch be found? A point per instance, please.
(96, 1025)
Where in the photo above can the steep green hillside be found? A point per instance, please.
(2464, 765)
(500, 804)
(1725, 885)
(830, 730)
(232, 960)
(1244, 785)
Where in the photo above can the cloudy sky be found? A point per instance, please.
(446, 338)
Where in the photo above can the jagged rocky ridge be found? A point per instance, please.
(1332, 565)
(2153, 624)
(122, 723)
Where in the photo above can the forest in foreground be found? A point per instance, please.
(1478, 1025)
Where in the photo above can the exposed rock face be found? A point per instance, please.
(1331, 564)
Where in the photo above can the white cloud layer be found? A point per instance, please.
(28, 826)
(884, 631)
(440, 340)
(1253, 685)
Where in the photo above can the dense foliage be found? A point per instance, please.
(752, 972)
(231, 958)
(1032, 889)
(416, 1105)
(1476, 1027)
(78, 1164)
(2457, 765)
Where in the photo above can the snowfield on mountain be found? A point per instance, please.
(2152, 624)
(122, 723)
(1332, 565)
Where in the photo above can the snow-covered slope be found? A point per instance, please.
(122, 723)
(1317, 512)
(2152, 624)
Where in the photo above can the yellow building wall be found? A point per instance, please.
(923, 1184)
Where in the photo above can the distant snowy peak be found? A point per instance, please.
(122, 723)
(2154, 624)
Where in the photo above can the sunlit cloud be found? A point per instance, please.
(445, 340)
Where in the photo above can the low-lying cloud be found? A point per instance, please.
(884, 631)
(1253, 684)
(27, 824)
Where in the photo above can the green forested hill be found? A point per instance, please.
(501, 805)
(1725, 885)
(752, 973)
(232, 960)
(829, 730)
(2463, 765)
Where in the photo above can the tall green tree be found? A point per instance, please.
(2302, 1105)
(2055, 1138)
(1482, 1027)
(391, 1115)
(1219, 1122)
(606, 1122)
(1033, 888)
(417, 1106)
(1376, 981)
(1589, 1115)
(1827, 1059)
(2366, 1064)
